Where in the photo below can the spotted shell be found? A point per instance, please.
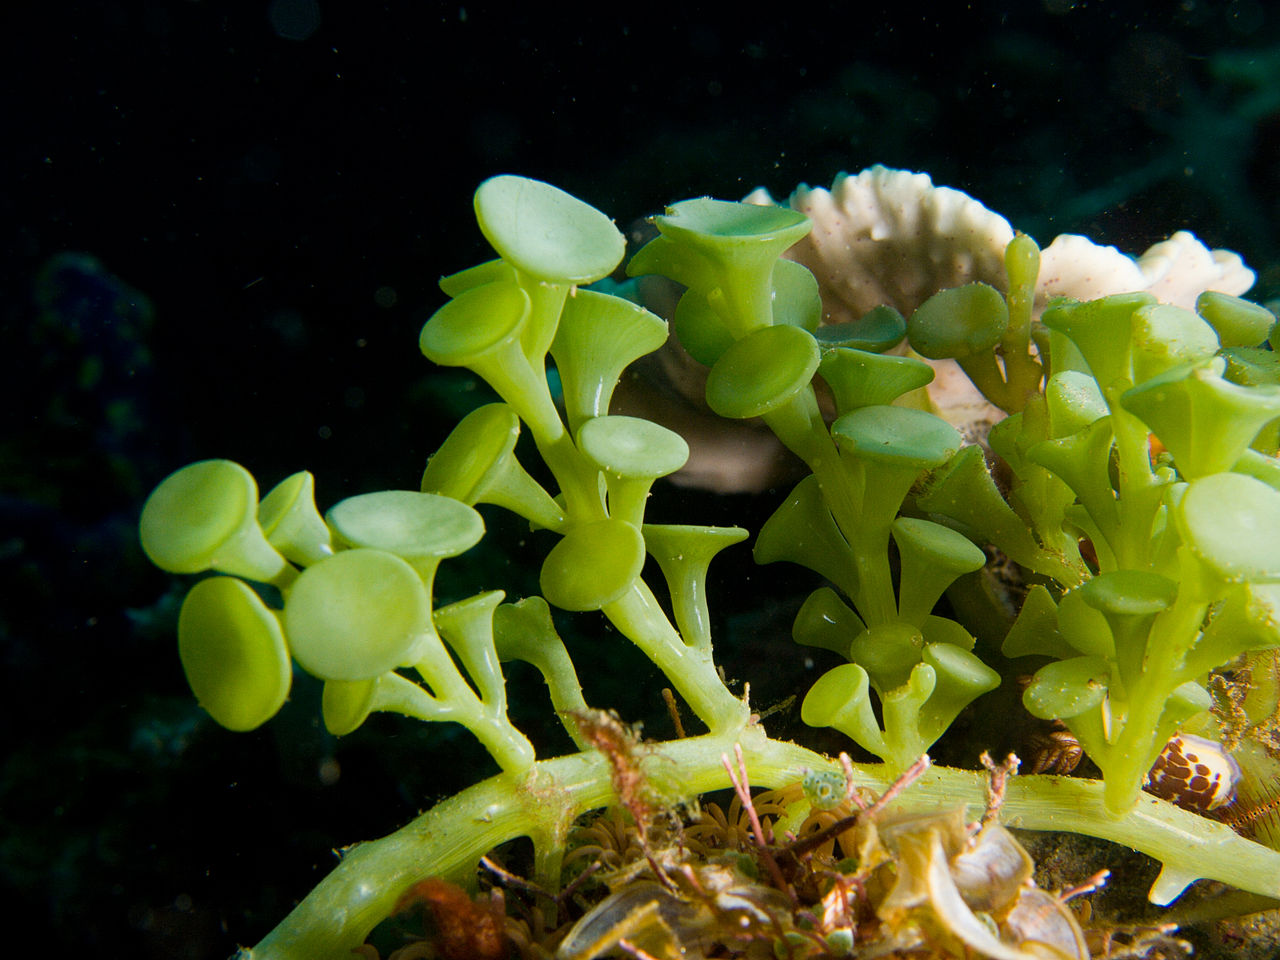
(1195, 773)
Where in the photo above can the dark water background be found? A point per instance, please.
(222, 224)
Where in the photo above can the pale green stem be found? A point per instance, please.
(984, 373)
(902, 732)
(628, 498)
(509, 747)
(1142, 735)
(579, 481)
(1022, 372)
(398, 694)
(523, 385)
(799, 425)
(551, 659)
(487, 722)
(1140, 491)
(886, 488)
(549, 848)
(842, 480)
(748, 299)
(546, 301)
(1024, 376)
(690, 669)
(448, 840)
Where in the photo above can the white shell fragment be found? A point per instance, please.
(978, 888)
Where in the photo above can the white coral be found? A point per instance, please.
(891, 236)
(887, 236)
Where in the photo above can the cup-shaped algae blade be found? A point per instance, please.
(889, 651)
(545, 232)
(358, 614)
(524, 631)
(554, 241)
(797, 299)
(1073, 401)
(594, 565)
(488, 272)
(233, 653)
(699, 328)
(964, 492)
(1067, 688)
(1204, 420)
(803, 531)
(467, 626)
(896, 445)
(1229, 521)
(842, 699)
(879, 329)
(684, 554)
(959, 322)
(466, 463)
(932, 557)
(960, 678)
(205, 517)
(598, 337)
(1101, 331)
(1166, 336)
(1247, 619)
(481, 329)
(762, 371)
(346, 704)
(826, 621)
(422, 528)
(734, 247)
(859, 378)
(631, 453)
(1238, 322)
(897, 436)
(291, 522)
(477, 464)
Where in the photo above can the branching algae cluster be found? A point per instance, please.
(1139, 496)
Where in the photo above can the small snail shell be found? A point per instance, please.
(1195, 773)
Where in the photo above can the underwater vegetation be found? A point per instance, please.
(1092, 507)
